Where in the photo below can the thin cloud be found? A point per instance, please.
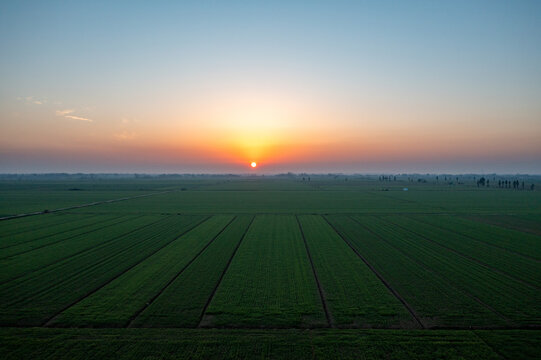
(66, 114)
(78, 118)
(32, 100)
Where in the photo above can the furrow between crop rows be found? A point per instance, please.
(355, 296)
(269, 282)
(328, 315)
(495, 260)
(42, 242)
(163, 289)
(141, 282)
(437, 274)
(380, 277)
(38, 296)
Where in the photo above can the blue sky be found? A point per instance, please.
(338, 85)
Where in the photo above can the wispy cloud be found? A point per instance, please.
(32, 100)
(78, 118)
(66, 114)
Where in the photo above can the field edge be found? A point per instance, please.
(17, 343)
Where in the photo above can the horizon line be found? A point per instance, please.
(254, 174)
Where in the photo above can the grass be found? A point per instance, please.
(64, 247)
(107, 307)
(292, 268)
(183, 302)
(39, 295)
(522, 269)
(355, 296)
(15, 231)
(508, 239)
(429, 293)
(265, 344)
(269, 282)
(518, 302)
(526, 222)
(72, 225)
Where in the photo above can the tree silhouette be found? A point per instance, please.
(481, 182)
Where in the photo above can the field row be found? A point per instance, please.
(277, 271)
(17, 343)
(31, 200)
(308, 201)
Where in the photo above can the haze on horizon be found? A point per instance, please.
(302, 86)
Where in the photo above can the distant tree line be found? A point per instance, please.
(483, 181)
(387, 178)
(505, 184)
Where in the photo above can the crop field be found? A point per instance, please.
(269, 267)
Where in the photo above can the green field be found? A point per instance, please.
(269, 267)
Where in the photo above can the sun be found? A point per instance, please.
(253, 164)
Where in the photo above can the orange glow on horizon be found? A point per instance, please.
(238, 129)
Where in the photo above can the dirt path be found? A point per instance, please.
(10, 217)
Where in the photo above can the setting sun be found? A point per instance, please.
(253, 164)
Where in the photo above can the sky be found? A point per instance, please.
(301, 86)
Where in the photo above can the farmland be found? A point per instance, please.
(275, 267)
